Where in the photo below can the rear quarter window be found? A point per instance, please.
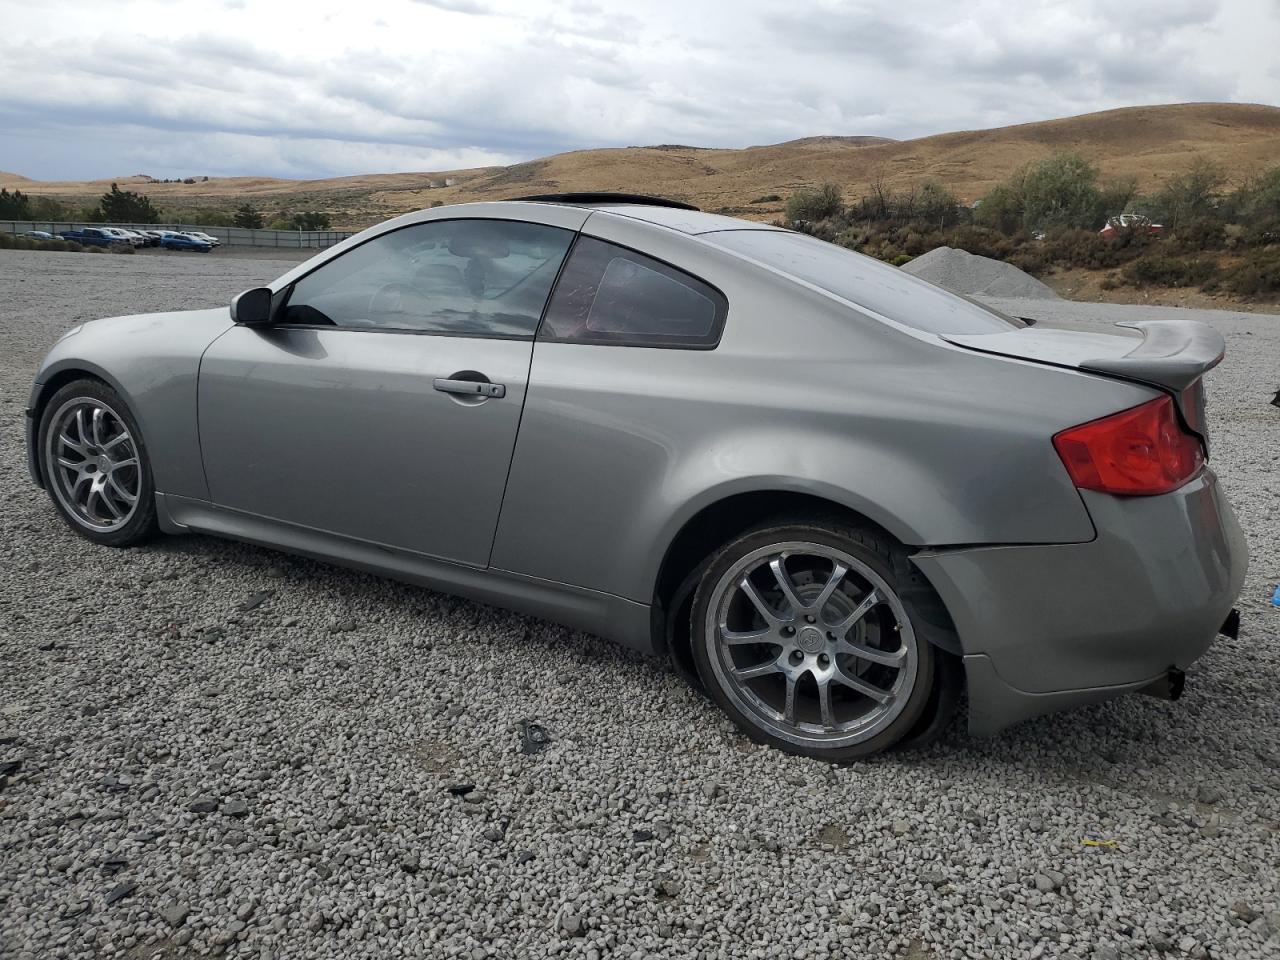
(611, 295)
(864, 281)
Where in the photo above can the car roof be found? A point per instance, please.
(673, 214)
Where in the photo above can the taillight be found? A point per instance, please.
(1134, 453)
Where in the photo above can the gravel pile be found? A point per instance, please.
(967, 273)
(209, 748)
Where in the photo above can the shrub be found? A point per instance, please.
(95, 249)
(1060, 192)
(1193, 195)
(1030, 259)
(901, 259)
(6, 241)
(1093, 251)
(1257, 200)
(827, 230)
(1165, 271)
(120, 248)
(983, 241)
(1201, 233)
(1262, 234)
(1259, 274)
(820, 204)
(209, 217)
(936, 205)
(311, 220)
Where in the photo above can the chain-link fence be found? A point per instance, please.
(230, 236)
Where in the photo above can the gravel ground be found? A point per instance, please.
(223, 749)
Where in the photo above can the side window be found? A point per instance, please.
(484, 278)
(612, 295)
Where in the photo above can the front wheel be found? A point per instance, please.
(802, 636)
(95, 465)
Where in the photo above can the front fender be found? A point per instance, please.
(152, 361)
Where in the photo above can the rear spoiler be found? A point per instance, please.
(1172, 353)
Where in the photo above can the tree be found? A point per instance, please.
(820, 204)
(247, 217)
(311, 220)
(14, 206)
(1193, 195)
(47, 208)
(936, 205)
(1059, 192)
(125, 206)
(1062, 192)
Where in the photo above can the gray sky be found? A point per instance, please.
(311, 88)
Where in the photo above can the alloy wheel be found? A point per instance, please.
(94, 464)
(812, 644)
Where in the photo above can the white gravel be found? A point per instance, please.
(968, 273)
(196, 777)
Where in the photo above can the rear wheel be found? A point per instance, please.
(95, 465)
(801, 634)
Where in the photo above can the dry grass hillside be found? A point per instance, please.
(1148, 143)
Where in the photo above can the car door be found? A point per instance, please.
(383, 401)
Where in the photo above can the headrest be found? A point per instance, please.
(478, 241)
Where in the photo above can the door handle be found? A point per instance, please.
(470, 388)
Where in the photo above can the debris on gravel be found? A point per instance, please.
(962, 272)
(359, 840)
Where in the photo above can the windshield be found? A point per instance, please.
(864, 281)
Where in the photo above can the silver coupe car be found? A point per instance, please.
(833, 494)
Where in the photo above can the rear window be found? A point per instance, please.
(864, 281)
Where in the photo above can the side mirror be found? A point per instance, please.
(252, 308)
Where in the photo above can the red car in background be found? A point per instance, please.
(1130, 221)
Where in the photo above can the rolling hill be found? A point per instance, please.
(1148, 143)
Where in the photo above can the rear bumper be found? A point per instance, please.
(1044, 628)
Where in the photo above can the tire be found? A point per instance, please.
(85, 459)
(766, 663)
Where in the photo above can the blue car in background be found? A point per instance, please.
(172, 240)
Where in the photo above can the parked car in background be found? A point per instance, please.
(1130, 221)
(836, 494)
(172, 240)
(93, 237)
(212, 241)
(126, 236)
(38, 235)
(151, 237)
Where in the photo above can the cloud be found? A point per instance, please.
(470, 7)
(256, 88)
